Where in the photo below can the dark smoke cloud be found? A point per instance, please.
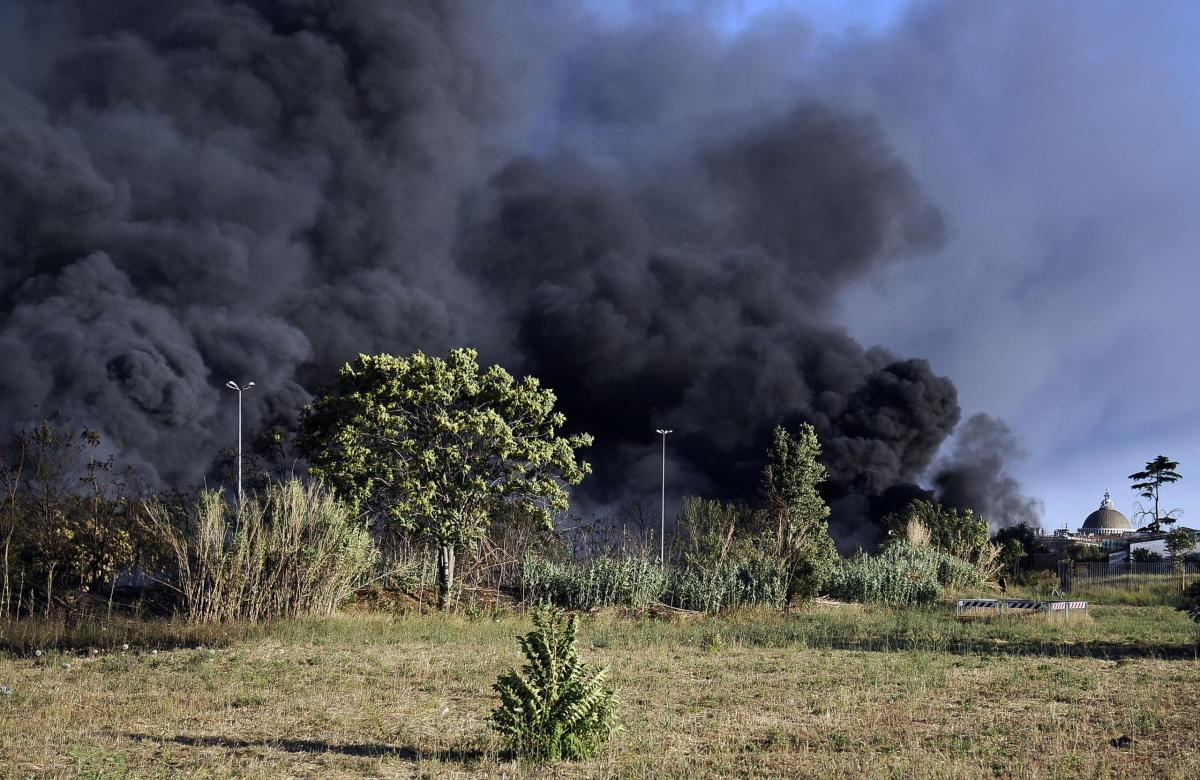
(976, 475)
(651, 219)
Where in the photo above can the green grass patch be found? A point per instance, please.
(843, 690)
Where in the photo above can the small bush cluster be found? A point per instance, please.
(638, 583)
(555, 707)
(963, 535)
(903, 573)
(292, 551)
(1040, 582)
(65, 526)
(600, 582)
(749, 582)
(1190, 603)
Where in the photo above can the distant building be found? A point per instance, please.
(1106, 521)
(1157, 544)
(1104, 531)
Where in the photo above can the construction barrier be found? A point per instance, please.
(1000, 606)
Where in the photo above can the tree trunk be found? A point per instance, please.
(50, 588)
(6, 599)
(445, 579)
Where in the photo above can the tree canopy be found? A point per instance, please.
(1180, 543)
(437, 445)
(789, 491)
(1148, 484)
(1017, 543)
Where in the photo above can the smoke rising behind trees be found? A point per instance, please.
(652, 219)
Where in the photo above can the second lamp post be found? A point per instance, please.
(662, 518)
(232, 385)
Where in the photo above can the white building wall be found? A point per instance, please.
(1157, 546)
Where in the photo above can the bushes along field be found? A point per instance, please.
(902, 574)
(293, 550)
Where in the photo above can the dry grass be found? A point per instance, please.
(749, 695)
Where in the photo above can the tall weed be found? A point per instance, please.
(638, 583)
(600, 582)
(741, 583)
(293, 550)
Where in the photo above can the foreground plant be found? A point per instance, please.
(555, 707)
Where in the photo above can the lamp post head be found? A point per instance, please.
(248, 386)
(232, 385)
(664, 432)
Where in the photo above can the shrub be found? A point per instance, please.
(962, 535)
(707, 532)
(750, 581)
(1041, 583)
(902, 574)
(292, 551)
(555, 707)
(601, 582)
(64, 517)
(1191, 602)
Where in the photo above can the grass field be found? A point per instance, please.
(831, 691)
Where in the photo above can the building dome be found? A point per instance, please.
(1106, 520)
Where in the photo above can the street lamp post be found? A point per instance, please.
(232, 385)
(662, 518)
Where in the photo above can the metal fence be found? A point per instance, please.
(1083, 574)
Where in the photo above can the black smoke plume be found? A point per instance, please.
(976, 476)
(644, 217)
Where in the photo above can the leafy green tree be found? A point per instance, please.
(1012, 553)
(1018, 544)
(797, 511)
(64, 515)
(1179, 543)
(435, 446)
(1022, 533)
(1142, 555)
(1148, 483)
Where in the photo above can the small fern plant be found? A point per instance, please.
(555, 707)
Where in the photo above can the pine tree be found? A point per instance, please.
(1149, 482)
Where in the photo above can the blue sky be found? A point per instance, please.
(834, 16)
(1060, 147)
